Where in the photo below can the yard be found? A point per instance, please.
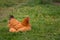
(44, 19)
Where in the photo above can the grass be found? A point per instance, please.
(9, 3)
(44, 19)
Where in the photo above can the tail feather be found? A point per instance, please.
(25, 22)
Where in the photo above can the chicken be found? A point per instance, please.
(16, 26)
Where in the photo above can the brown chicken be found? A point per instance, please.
(16, 26)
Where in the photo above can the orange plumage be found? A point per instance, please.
(16, 26)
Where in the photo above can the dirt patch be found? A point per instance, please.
(56, 3)
(5, 12)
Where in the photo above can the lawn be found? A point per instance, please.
(44, 19)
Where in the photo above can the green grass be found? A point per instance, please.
(10, 3)
(44, 19)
